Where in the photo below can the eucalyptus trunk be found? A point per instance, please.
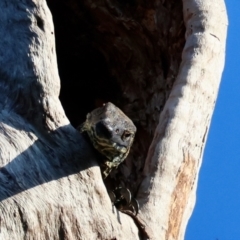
(159, 61)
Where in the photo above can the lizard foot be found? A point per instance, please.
(122, 199)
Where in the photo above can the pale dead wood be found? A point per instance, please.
(51, 186)
(175, 155)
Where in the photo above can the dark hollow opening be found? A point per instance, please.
(124, 52)
(85, 80)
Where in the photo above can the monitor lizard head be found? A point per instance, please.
(112, 133)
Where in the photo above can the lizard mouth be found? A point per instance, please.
(119, 148)
(111, 147)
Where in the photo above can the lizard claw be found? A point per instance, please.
(122, 199)
(123, 194)
(135, 205)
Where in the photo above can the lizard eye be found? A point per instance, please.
(103, 131)
(126, 135)
(117, 130)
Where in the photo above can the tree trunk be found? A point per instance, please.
(51, 185)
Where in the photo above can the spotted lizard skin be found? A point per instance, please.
(111, 133)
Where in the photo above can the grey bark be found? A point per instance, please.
(50, 182)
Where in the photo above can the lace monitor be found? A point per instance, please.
(112, 133)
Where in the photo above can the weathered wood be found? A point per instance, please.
(50, 185)
(175, 155)
(50, 182)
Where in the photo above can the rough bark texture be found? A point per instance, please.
(51, 186)
(175, 155)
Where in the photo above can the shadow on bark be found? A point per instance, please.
(25, 171)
